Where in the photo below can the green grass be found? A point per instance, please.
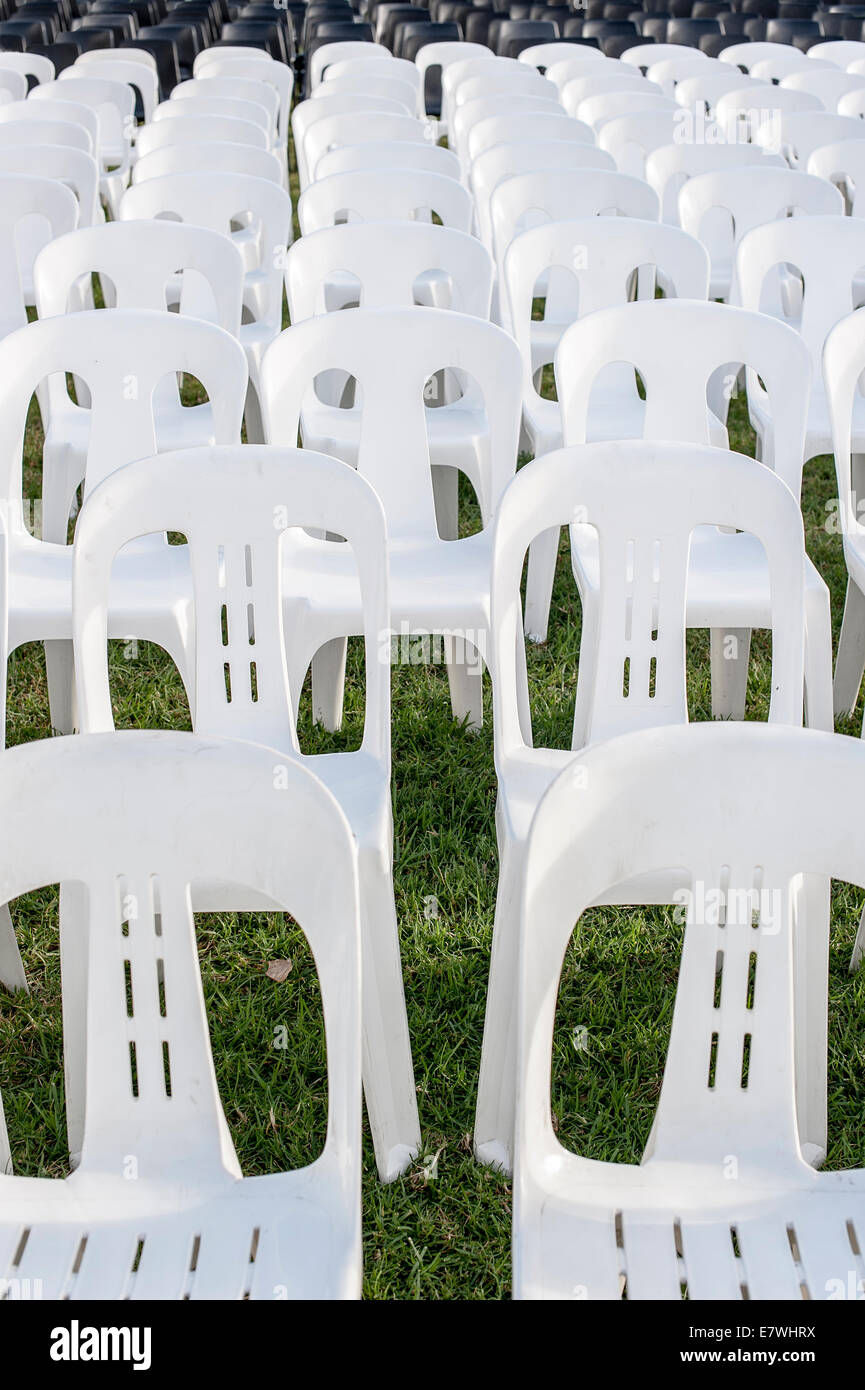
(443, 1230)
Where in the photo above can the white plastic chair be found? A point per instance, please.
(643, 55)
(261, 587)
(445, 56)
(210, 157)
(384, 195)
(202, 105)
(75, 168)
(13, 85)
(829, 255)
(703, 92)
(593, 83)
(336, 53)
(197, 130)
(676, 1223)
(776, 66)
(436, 586)
(745, 55)
(843, 163)
(829, 86)
(34, 65)
(643, 501)
(123, 65)
(680, 349)
(533, 127)
(755, 113)
(670, 166)
(669, 72)
(216, 201)
(843, 363)
(502, 162)
(114, 106)
(558, 195)
(150, 821)
(465, 118)
(389, 154)
(583, 62)
(355, 129)
(32, 211)
(851, 103)
(630, 139)
(68, 113)
(257, 66)
(27, 134)
(371, 84)
(797, 133)
(235, 89)
(607, 106)
(517, 81)
(748, 196)
(544, 55)
(596, 258)
(400, 69)
(841, 52)
(465, 66)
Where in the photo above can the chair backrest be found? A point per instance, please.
(644, 499)
(119, 65)
(141, 260)
(501, 162)
(677, 346)
(255, 65)
(465, 67)
(518, 81)
(544, 55)
(121, 356)
(466, 117)
(23, 198)
(630, 139)
(70, 113)
(334, 131)
(797, 133)
(233, 89)
(388, 275)
(385, 195)
(445, 56)
(729, 1084)
(670, 166)
(555, 195)
(606, 105)
(203, 105)
(829, 253)
(843, 163)
(843, 364)
(392, 354)
(113, 103)
(336, 52)
(389, 154)
(830, 86)
(669, 72)
(852, 102)
(234, 506)
(28, 133)
(314, 110)
(150, 1080)
(751, 195)
(594, 260)
(210, 157)
(703, 92)
(840, 52)
(531, 126)
(370, 83)
(34, 65)
(215, 201)
(400, 69)
(642, 55)
(197, 130)
(590, 83)
(13, 85)
(751, 112)
(75, 168)
(785, 63)
(745, 55)
(583, 62)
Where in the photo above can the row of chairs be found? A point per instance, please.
(354, 383)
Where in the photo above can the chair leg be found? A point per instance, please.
(328, 683)
(495, 1112)
(12, 974)
(466, 680)
(811, 965)
(543, 553)
(446, 495)
(60, 670)
(858, 946)
(729, 653)
(74, 943)
(252, 417)
(818, 659)
(388, 1074)
(850, 661)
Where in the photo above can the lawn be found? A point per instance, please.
(443, 1230)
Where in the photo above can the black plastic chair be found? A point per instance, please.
(145, 11)
(691, 31)
(765, 9)
(22, 34)
(476, 28)
(755, 29)
(653, 28)
(793, 9)
(516, 34)
(399, 14)
(186, 38)
(412, 37)
(708, 9)
(573, 33)
(713, 46)
(62, 55)
(732, 22)
(123, 26)
(262, 33)
(802, 33)
(450, 11)
(338, 33)
(556, 14)
(48, 13)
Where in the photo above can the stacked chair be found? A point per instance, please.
(299, 291)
